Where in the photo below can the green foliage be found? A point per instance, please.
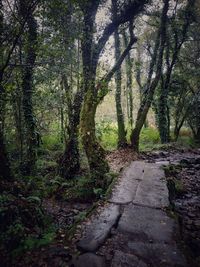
(82, 189)
(46, 166)
(106, 132)
(186, 141)
(23, 224)
(35, 242)
(85, 188)
(149, 139)
(52, 142)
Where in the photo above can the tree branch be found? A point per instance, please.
(129, 12)
(102, 86)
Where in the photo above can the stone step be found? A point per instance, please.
(99, 229)
(124, 192)
(146, 224)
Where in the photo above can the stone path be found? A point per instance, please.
(133, 229)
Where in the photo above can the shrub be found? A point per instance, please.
(21, 219)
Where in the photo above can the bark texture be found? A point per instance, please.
(129, 80)
(5, 173)
(122, 142)
(69, 163)
(28, 88)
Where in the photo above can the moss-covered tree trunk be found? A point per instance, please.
(95, 91)
(95, 153)
(28, 88)
(122, 142)
(5, 173)
(18, 119)
(157, 60)
(69, 164)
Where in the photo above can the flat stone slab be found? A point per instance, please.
(160, 254)
(124, 192)
(99, 228)
(89, 260)
(145, 234)
(146, 224)
(126, 260)
(152, 190)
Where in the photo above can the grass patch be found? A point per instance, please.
(106, 132)
(149, 139)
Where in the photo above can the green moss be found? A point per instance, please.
(179, 187)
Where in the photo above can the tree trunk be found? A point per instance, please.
(90, 55)
(197, 136)
(163, 114)
(27, 88)
(17, 111)
(177, 131)
(62, 130)
(164, 121)
(129, 82)
(5, 173)
(95, 153)
(69, 164)
(122, 142)
(151, 84)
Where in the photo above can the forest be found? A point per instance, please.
(86, 88)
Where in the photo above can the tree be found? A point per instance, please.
(10, 32)
(129, 80)
(171, 59)
(94, 93)
(156, 62)
(122, 142)
(27, 87)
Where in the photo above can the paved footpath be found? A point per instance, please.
(133, 229)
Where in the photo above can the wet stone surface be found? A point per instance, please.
(147, 224)
(123, 259)
(99, 229)
(125, 190)
(88, 260)
(140, 233)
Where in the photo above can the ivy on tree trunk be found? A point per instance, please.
(27, 88)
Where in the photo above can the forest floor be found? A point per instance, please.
(182, 173)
